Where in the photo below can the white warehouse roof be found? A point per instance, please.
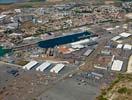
(17, 10)
(57, 68)
(80, 42)
(88, 52)
(129, 68)
(117, 65)
(129, 15)
(43, 66)
(116, 38)
(78, 46)
(109, 29)
(30, 65)
(29, 38)
(127, 47)
(2, 16)
(119, 46)
(124, 34)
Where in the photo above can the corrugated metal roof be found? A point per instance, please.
(116, 38)
(2, 16)
(109, 29)
(80, 42)
(117, 65)
(88, 52)
(129, 68)
(97, 74)
(127, 47)
(43, 66)
(119, 46)
(77, 46)
(30, 65)
(124, 34)
(57, 68)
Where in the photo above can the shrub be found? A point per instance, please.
(122, 90)
(101, 97)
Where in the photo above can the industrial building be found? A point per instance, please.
(119, 46)
(30, 65)
(127, 47)
(2, 16)
(124, 34)
(117, 65)
(43, 66)
(81, 42)
(57, 68)
(116, 38)
(88, 52)
(129, 68)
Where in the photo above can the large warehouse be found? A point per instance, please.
(43, 66)
(30, 65)
(57, 68)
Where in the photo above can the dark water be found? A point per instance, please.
(8, 1)
(3, 51)
(64, 40)
(17, 1)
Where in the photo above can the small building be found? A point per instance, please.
(129, 67)
(29, 38)
(30, 65)
(116, 38)
(2, 17)
(78, 46)
(127, 47)
(124, 34)
(15, 34)
(97, 74)
(88, 52)
(110, 29)
(117, 65)
(106, 52)
(12, 25)
(57, 68)
(129, 15)
(17, 10)
(119, 46)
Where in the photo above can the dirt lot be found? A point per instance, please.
(25, 84)
(69, 89)
(28, 85)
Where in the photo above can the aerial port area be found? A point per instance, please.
(65, 49)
